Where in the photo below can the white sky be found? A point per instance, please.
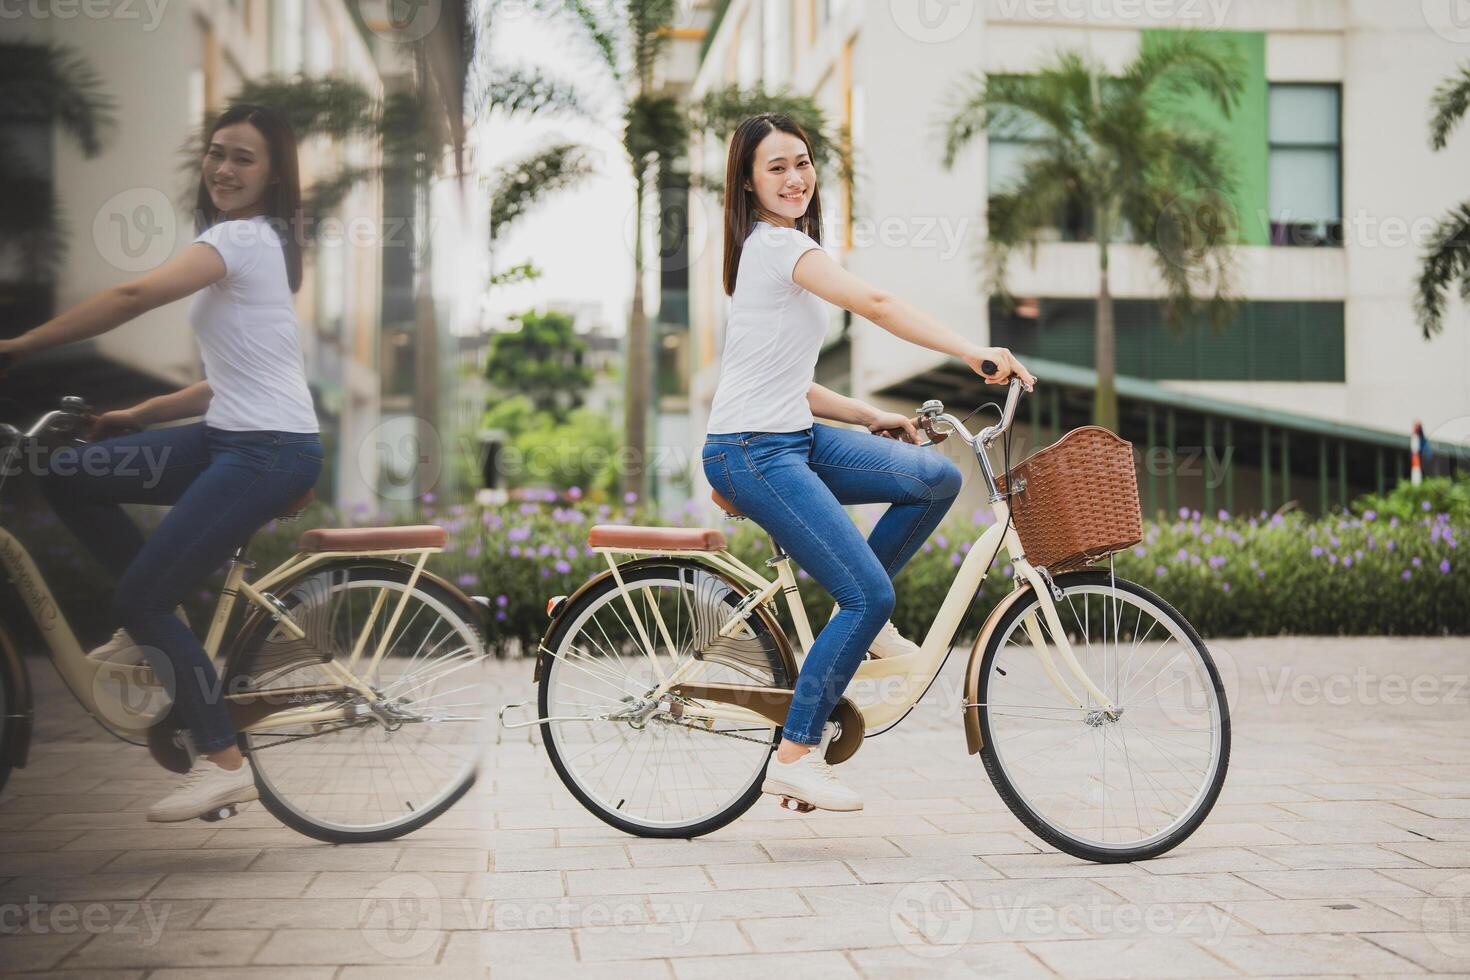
(581, 237)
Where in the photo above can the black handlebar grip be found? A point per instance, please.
(989, 367)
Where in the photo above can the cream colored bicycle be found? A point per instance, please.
(354, 676)
(1094, 706)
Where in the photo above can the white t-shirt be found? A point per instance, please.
(247, 332)
(772, 339)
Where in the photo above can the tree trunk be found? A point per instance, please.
(636, 400)
(1105, 398)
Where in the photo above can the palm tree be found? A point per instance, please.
(1447, 260)
(45, 82)
(1121, 151)
(629, 36)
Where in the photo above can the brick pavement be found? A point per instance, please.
(1341, 846)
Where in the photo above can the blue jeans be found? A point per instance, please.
(223, 486)
(794, 485)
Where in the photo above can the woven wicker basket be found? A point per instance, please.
(1076, 500)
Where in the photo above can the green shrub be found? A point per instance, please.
(1436, 495)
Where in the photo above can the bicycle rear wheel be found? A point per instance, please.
(1101, 787)
(402, 759)
(648, 772)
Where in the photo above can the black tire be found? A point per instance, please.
(593, 596)
(1015, 801)
(371, 570)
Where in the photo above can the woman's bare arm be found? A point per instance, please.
(828, 404)
(183, 404)
(197, 266)
(818, 273)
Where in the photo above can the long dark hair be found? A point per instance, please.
(282, 196)
(740, 204)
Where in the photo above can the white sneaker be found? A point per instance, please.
(122, 650)
(889, 642)
(206, 787)
(810, 779)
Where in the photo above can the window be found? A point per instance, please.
(776, 42)
(1306, 165)
(1009, 143)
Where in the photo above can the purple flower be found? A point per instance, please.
(1370, 515)
(571, 551)
(1206, 539)
(630, 497)
(1223, 515)
(1415, 562)
(527, 508)
(1390, 545)
(1444, 566)
(1332, 559)
(1184, 513)
(514, 551)
(519, 533)
(473, 551)
(1161, 571)
(1224, 586)
(1216, 561)
(546, 573)
(1316, 551)
(1139, 551)
(561, 566)
(954, 559)
(575, 493)
(1424, 505)
(428, 498)
(1007, 570)
(1405, 574)
(1347, 562)
(1261, 573)
(1194, 515)
(1181, 555)
(500, 615)
(466, 579)
(501, 600)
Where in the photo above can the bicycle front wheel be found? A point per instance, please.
(622, 753)
(1104, 785)
(396, 761)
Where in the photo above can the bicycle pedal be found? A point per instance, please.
(795, 805)
(220, 813)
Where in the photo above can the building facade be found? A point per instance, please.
(1308, 396)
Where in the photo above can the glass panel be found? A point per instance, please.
(1005, 161)
(1304, 185)
(1304, 114)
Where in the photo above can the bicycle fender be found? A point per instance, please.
(22, 713)
(783, 643)
(972, 672)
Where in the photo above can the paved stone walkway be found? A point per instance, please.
(1341, 846)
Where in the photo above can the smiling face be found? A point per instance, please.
(782, 176)
(237, 170)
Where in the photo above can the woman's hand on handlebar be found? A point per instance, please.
(1005, 363)
(117, 422)
(894, 426)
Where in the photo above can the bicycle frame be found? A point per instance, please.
(80, 674)
(914, 672)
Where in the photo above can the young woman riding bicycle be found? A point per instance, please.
(256, 450)
(764, 453)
